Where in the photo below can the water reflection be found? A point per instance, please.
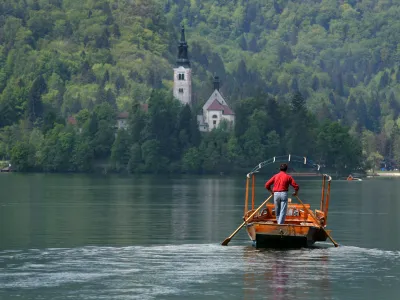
(150, 237)
(280, 278)
(278, 275)
(199, 271)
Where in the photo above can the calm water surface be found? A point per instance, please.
(86, 237)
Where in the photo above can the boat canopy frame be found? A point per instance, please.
(282, 159)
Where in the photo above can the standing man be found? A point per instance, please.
(281, 183)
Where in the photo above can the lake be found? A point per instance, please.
(158, 237)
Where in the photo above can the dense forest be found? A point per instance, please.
(318, 78)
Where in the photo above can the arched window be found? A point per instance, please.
(181, 76)
(215, 117)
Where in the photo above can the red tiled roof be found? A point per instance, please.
(71, 120)
(218, 106)
(123, 115)
(215, 106)
(227, 110)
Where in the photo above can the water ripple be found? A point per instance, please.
(189, 270)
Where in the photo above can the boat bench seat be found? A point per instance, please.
(293, 212)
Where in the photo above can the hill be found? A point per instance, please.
(61, 57)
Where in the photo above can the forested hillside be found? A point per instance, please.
(317, 78)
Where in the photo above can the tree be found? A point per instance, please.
(374, 113)
(299, 135)
(315, 83)
(135, 164)
(137, 122)
(243, 43)
(337, 149)
(115, 31)
(373, 160)
(58, 145)
(394, 105)
(161, 126)
(82, 155)
(253, 147)
(106, 52)
(295, 85)
(351, 110)
(384, 81)
(395, 143)
(35, 105)
(362, 113)
(22, 156)
(101, 95)
(104, 136)
(105, 79)
(120, 82)
(275, 114)
(151, 153)
(184, 127)
(110, 98)
(191, 161)
(87, 75)
(120, 152)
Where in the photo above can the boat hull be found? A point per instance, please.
(284, 236)
(282, 242)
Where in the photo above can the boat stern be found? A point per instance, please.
(264, 235)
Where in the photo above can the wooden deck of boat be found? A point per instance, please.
(296, 214)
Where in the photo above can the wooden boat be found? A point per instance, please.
(352, 178)
(302, 227)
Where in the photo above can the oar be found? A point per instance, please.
(228, 239)
(315, 218)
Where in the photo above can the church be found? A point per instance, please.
(216, 109)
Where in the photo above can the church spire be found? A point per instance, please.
(216, 83)
(183, 59)
(183, 40)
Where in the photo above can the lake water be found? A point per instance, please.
(148, 237)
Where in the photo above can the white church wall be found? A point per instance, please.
(183, 85)
(212, 121)
(230, 118)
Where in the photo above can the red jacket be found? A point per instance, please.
(281, 182)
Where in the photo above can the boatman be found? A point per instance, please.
(281, 183)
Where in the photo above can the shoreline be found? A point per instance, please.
(384, 174)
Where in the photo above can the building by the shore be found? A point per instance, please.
(216, 109)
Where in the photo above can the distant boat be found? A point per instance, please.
(352, 178)
(6, 169)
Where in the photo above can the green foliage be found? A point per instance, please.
(82, 155)
(94, 58)
(22, 156)
(337, 149)
(35, 105)
(56, 149)
(192, 161)
(120, 152)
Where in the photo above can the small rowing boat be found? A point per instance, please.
(302, 228)
(352, 178)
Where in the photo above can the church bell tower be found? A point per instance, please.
(183, 73)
